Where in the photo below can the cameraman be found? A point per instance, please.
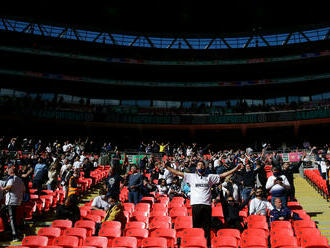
(278, 185)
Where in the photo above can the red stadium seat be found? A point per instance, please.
(253, 241)
(161, 219)
(284, 241)
(2, 225)
(280, 224)
(196, 242)
(142, 206)
(62, 224)
(141, 218)
(169, 234)
(228, 232)
(178, 211)
(183, 222)
(159, 207)
(196, 232)
(66, 241)
(80, 233)
(224, 241)
(50, 232)
(315, 242)
(135, 224)
(99, 212)
(112, 224)
(158, 224)
(256, 218)
(88, 225)
(34, 241)
(110, 233)
(138, 233)
(129, 207)
(158, 213)
(125, 242)
(178, 199)
(95, 218)
(99, 242)
(154, 242)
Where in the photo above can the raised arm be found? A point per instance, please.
(228, 173)
(173, 171)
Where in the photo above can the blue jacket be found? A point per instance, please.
(284, 212)
(135, 179)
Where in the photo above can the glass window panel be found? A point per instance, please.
(293, 99)
(304, 99)
(187, 104)
(47, 96)
(112, 102)
(270, 101)
(20, 93)
(143, 103)
(248, 101)
(173, 104)
(128, 102)
(326, 95)
(97, 101)
(257, 102)
(317, 97)
(219, 104)
(7, 92)
(280, 100)
(66, 98)
(159, 104)
(234, 102)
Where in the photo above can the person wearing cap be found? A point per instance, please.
(14, 189)
(200, 197)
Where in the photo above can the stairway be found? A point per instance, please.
(314, 204)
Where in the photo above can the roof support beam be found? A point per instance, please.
(65, 30)
(210, 44)
(264, 40)
(133, 42)
(248, 42)
(41, 29)
(225, 42)
(149, 41)
(112, 39)
(188, 44)
(287, 39)
(302, 33)
(97, 36)
(172, 43)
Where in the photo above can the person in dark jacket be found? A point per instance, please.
(69, 210)
(135, 181)
(231, 209)
(261, 176)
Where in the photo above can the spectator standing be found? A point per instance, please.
(113, 182)
(14, 189)
(53, 174)
(40, 175)
(134, 183)
(200, 198)
(278, 186)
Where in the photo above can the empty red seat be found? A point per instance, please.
(125, 242)
(169, 234)
(158, 213)
(50, 232)
(99, 212)
(109, 233)
(253, 240)
(66, 241)
(280, 224)
(142, 206)
(34, 241)
(183, 222)
(284, 241)
(192, 241)
(88, 225)
(224, 241)
(112, 224)
(256, 218)
(178, 199)
(135, 224)
(161, 219)
(190, 232)
(99, 242)
(80, 233)
(138, 233)
(128, 206)
(62, 224)
(315, 242)
(158, 224)
(159, 207)
(154, 242)
(178, 211)
(91, 217)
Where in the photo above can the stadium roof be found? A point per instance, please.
(174, 17)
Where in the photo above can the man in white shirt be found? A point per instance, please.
(278, 185)
(77, 164)
(259, 205)
(15, 191)
(200, 199)
(101, 202)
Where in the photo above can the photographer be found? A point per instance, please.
(278, 185)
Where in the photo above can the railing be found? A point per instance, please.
(146, 40)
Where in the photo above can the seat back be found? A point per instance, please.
(110, 233)
(34, 241)
(169, 234)
(138, 233)
(224, 241)
(183, 222)
(127, 242)
(154, 242)
(66, 241)
(62, 224)
(50, 233)
(96, 241)
(88, 225)
(191, 241)
(80, 233)
(112, 224)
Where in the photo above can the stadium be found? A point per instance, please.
(109, 107)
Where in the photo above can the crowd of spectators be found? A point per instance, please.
(53, 163)
(11, 104)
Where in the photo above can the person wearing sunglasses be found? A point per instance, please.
(259, 205)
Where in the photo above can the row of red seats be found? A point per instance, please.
(315, 179)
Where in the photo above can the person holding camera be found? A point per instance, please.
(278, 185)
